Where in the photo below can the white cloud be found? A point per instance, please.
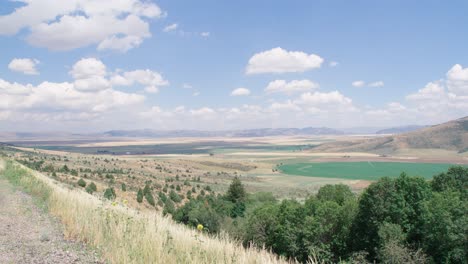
(50, 96)
(431, 92)
(26, 66)
(170, 27)
(89, 75)
(65, 25)
(281, 86)
(332, 100)
(361, 83)
(288, 106)
(333, 64)
(203, 112)
(205, 34)
(240, 92)
(457, 80)
(150, 79)
(278, 60)
(376, 84)
(358, 83)
(88, 67)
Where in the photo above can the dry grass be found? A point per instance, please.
(124, 235)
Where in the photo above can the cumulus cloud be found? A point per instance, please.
(150, 79)
(65, 25)
(26, 66)
(457, 80)
(240, 92)
(278, 60)
(50, 96)
(89, 75)
(170, 27)
(282, 86)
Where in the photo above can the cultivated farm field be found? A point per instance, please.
(370, 170)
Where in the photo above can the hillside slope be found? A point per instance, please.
(452, 135)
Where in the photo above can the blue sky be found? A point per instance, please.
(407, 60)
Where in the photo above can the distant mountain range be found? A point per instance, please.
(153, 133)
(261, 132)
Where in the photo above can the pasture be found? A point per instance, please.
(364, 170)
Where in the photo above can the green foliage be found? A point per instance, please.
(199, 212)
(147, 189)
(338, 193)
(237, 195)
(81, 183)
(455, 179)
(91, 188)
(175, 197)
(162, 197)
(395, 220)
(396, 201)
(124, 187)
(446, 227)
(169, 207)
(149, 197)
(109, 194)
(140, 195)
(236, 191)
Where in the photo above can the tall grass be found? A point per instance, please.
(124, 235)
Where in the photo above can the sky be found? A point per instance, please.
(97, 65)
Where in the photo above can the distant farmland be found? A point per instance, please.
(364, 170)
(176, 148)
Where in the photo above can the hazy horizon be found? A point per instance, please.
(173, 65)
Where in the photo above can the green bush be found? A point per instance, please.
(149, 197)
(109, 194)
(140, 196)
(124, 187)
(91, 188)
(81, 183)
(174, 196)
(169, 207)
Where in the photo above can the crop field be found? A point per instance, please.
(363, 170)
(220, 147)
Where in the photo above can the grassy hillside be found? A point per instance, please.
(125, 235)
(452, 135)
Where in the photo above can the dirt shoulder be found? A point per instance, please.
(30, 235)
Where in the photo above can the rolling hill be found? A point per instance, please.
(399, 130)
(452, 135)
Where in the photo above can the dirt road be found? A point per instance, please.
(29, 235)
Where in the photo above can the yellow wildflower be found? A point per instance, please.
(200, 227)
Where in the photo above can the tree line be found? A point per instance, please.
(395, 220)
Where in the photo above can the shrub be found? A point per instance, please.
(149, 197)
(81, 183)
(91, 188)
(169, 207)
(140, 196)
(109, 194)
(174, 196)
(124, 187)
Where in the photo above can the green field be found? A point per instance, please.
(363, 170)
